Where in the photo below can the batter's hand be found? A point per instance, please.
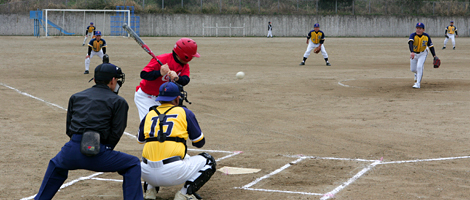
(164, 69)
(87, 56)
(173, 76)
(412, 55)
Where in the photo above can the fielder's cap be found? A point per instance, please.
(316, 25)
(420, 25)
(168, 92)
(91, 23)
(451, 21)
(98, 33)
(107, 71)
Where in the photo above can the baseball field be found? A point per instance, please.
(353, 130)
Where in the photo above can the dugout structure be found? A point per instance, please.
(75, 23)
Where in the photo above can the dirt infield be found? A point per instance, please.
(333, 124)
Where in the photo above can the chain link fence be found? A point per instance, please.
(262, 7)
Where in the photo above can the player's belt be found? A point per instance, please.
(417, 52)
(165, 161)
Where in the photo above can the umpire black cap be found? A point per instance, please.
(107, 71)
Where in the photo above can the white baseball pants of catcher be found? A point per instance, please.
(270, 33)
(417, 65)
(144, 101)
(86, 36)
(452, 37)
(175, 173)
(87, 60)
(312, 46)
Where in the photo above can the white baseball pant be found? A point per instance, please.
(144, 101)
(452, 37)
(312, 46)
(417, 65)
(270, 33)
(157, 174)
(86, 36)
(87, 60)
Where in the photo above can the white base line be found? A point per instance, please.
(351, 180)
(280, 191)
(126, 133)
(424, 160)
(273, 173)
(70, 183)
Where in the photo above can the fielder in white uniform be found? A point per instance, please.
(97, 46)
(270, 30)
(317, 38)
(419, 43)
(164, 158)
(451, 33)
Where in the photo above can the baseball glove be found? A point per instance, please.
(447, 36)
(437, 62)
(317, 50)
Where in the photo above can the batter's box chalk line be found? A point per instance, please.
(332, 194)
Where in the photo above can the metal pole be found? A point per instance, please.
(316, 7)
(353, 7)
(46, 24)
(104, 22)
(63, 19)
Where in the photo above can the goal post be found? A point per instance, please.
(79, 26)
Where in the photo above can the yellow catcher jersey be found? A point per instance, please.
(420, 42)
(180, 122)
(316, 37)
(97, 45)
(451, 29)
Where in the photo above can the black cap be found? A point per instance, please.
(107, 71)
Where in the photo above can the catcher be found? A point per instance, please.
(417, 43)
(317, 38)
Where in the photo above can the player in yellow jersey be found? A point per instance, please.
(451, 32)
(316, 37)
(164, 158)
(419, 43)
(97, 46)
(89, 31)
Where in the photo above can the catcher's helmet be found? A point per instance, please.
(186, 49)
(105, 58)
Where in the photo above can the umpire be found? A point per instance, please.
(100, 114)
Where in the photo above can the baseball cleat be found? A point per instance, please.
(150, 194)
(86, 72)
(453, 48)
(416, 86)
(328, 64)
(443, 47)
(302, 63)
(181, 196)
(83, 44)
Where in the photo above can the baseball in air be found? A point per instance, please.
(240, 75)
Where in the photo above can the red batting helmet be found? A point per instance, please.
(186, 49)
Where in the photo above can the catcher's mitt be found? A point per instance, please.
(317, 50)
(437, 62)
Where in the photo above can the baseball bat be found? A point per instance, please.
(140, 42)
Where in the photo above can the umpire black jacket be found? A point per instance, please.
(98, 109)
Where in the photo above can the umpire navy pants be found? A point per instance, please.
(108, 160)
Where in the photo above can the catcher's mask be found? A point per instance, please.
(108, 71)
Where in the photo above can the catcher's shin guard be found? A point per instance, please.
(206, 174)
